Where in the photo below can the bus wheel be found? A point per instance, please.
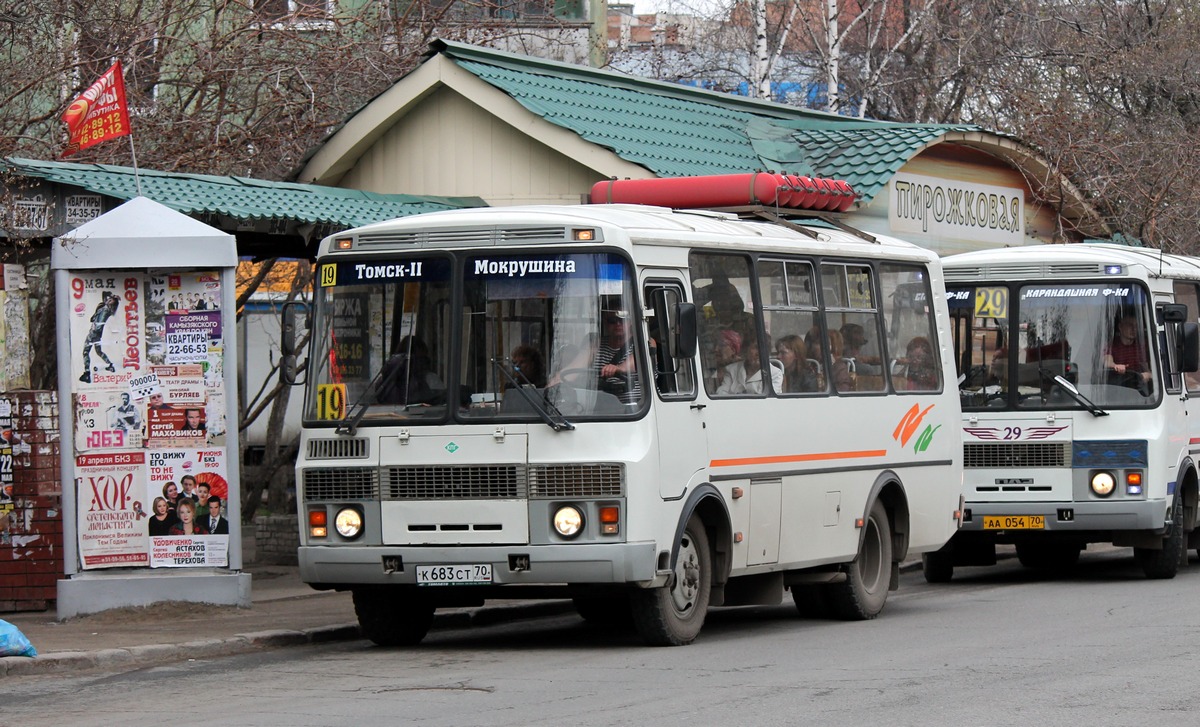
(812, 600)
(390, 617)
(1164, 563)
(673, 614)
(611, 611)
(1054, 557)
(868, 578)
(938, 566)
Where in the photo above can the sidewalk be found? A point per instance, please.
(284, 612)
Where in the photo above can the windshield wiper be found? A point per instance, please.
(355, 414)
(555, 421)
(1074, 393)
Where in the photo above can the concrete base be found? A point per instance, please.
(94, 592)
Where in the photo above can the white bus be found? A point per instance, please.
(592, 402)
(1075, 375)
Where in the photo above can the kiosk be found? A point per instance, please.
(148, 412)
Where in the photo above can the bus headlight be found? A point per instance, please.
(1103, 484)
(568, 521)
(349, 522)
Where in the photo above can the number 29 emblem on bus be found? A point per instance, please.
(908, 426)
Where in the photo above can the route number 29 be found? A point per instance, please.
(991, 302)
(331, 401)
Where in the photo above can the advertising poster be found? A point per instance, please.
(112, 506)
(148, 404)
(107, 331)
(176, 413)
(106, 420)
(6, 457)
(188, 491)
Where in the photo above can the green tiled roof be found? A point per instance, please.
(238, 197)
(677, 131)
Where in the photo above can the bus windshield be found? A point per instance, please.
(519, 337)
(1012, 341)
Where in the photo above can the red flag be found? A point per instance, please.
(99, 114)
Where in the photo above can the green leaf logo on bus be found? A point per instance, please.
(908, 426)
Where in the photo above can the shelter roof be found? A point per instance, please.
(237, 197)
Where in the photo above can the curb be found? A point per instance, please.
(64, 661)
(137, 656)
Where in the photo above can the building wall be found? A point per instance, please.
(449, 146)
(31, 530)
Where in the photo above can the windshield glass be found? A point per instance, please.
(381, 337)
(561, 327)
(1011, 341)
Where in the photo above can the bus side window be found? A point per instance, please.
(911, 336)
(1186, 293)
(674, 375)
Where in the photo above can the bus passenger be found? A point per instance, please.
(528, 368)
(855, 339)
(411, 378)
(746, 376)
(921, 368)
(1127, 352)
(797, 376)
(611, 360)
(840, 374)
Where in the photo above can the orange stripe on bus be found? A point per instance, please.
(783, 459)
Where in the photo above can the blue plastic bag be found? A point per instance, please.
(13, 642)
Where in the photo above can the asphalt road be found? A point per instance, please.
(997, 646)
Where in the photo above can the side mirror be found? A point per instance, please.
(1173, 313)
(685, 317)
(294, 319)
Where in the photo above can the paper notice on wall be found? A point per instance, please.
(107, 420)
(111, 502)
(177, 551)
(107, 331)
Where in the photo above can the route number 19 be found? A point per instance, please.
(331, 401)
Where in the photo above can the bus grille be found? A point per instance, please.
(575, 480)
(504, 482)
(340, 448)
(1014, 454)
(341, 483)
(473, 482)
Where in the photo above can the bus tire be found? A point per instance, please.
(672, 615)
(812, 600)
(609, 611)
(868, 578)
(389, 617)
(938, 566)
(1164, 564)
(1052, 557)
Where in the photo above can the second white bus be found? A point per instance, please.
(1076, 373)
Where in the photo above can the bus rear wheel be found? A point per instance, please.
(673, 614)
(812, 600)
(862, 595)
(608, 611)
(1164, 564)
(390, 617)
(938, 566)
(1053, 557)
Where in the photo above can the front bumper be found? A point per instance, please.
(1113, 515)
(576, 563)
